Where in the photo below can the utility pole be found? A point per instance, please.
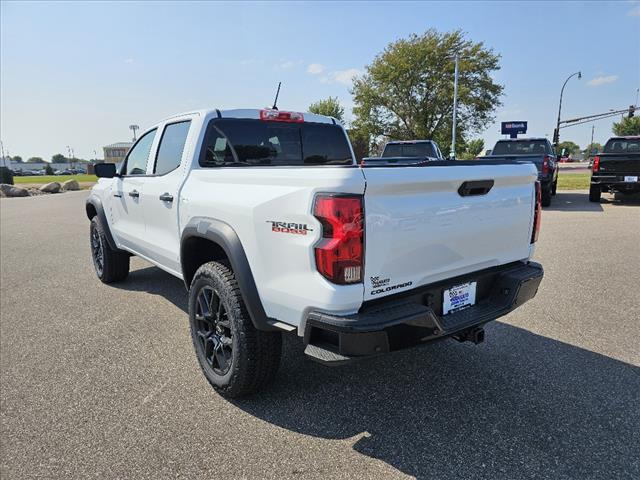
(452, 152)
(4, 160)
(593, 127)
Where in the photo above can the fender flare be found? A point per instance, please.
(225, 236)
(96, 203)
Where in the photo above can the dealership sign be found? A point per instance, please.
(514, 128)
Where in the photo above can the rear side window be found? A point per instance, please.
(409, 150)
(622, 145)
(522, 147)
(136, 162)
(171, 147)
(240, 142)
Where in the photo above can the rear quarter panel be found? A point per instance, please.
(283, 264)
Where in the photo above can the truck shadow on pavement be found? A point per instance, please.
(579, 202)
(156, 281)
(572, 202)
(519, 406)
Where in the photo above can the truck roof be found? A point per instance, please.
(251, 113)
(398, 142)
(527, 139)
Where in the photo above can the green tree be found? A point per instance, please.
(17, 159)
(360, 142)
(330, 107)
(627, 126)
(571, 148)
(48, 170)
(592, 149)
(35, 160)
(58, 158)
(474, 147)
(407, 91)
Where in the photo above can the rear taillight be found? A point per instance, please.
(537, 213)
(596, 163)
(545, 165)
(340, 252)
(279, 116)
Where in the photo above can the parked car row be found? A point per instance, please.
(18, 172)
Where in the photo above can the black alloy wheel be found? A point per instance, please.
(213, 330)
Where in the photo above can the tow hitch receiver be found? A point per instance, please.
(475, 335)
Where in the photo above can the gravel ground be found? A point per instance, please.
(101, 381)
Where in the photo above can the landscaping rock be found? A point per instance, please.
(71, 185)
(53, 187)
(13, 191)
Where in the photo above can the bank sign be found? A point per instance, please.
(514, 128)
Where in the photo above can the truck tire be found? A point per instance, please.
(554, 188)
(235, 357)
(111, 265)
(594, 194)
(546, 196)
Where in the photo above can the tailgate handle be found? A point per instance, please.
(475, 187)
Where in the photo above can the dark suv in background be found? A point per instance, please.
(617, 168)
(538, 151)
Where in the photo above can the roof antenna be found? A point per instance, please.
(275, 101)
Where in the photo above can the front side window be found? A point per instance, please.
(136, 162)
(244, 142)
(171, 147)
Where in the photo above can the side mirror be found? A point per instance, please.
(105, 170)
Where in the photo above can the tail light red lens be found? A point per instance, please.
(596, 163)
(340, 252)
(537, 214)
(545, 165)
(279, 116)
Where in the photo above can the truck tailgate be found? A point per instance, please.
(420, 229)
(612, 163)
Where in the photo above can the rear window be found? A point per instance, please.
(409, 150)
(239, 142)
(521, 147)
(622, 145)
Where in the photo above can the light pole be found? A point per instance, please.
(134, 128)
(556, 134)
(452, 152)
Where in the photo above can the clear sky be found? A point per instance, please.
(79, 73)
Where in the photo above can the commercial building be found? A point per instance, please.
(116, 152)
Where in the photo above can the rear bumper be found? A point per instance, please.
(416, 316)
(616, 181)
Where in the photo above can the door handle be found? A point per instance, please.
(134, 193)
(166, 197)
(119, 195)
(475, 187)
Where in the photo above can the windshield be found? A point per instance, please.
(240, 142)
(622, 145)
(521, 147)
(409, 150)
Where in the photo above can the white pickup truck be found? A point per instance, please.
(273, 228)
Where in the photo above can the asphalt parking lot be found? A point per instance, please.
(101, 381)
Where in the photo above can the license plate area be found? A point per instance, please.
(459, 297)
(630, 178)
